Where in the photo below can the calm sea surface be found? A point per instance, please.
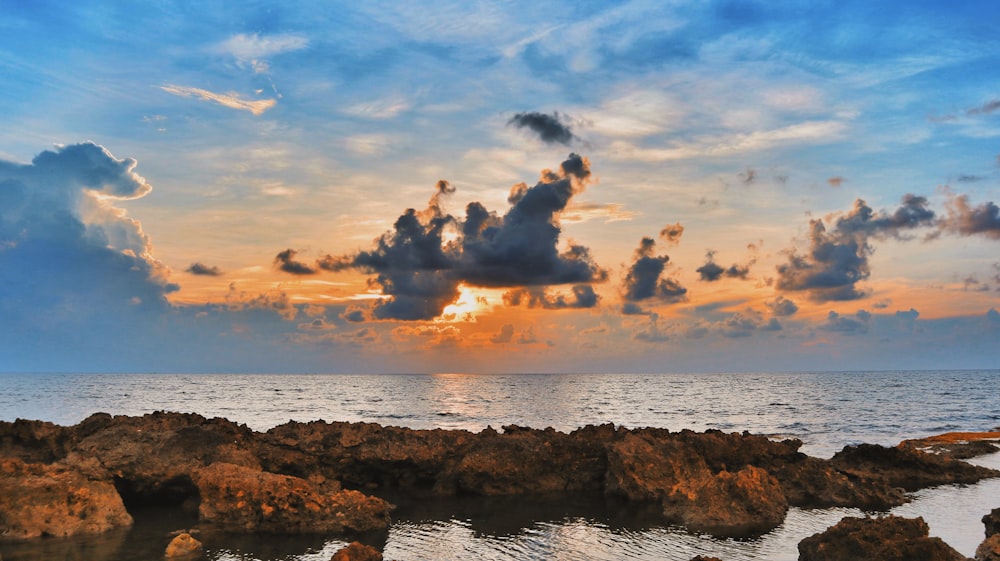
(825, 410)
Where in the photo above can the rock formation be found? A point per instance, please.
(183, 547)
(891, 538)
(317, 476)
(357, 551)
(989, 550)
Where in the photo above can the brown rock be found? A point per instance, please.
(989, 550)
(992, 522)
(57, 500)
(664, 470)
(891, 538)
(357, 551)
(703, 558)
(238, 498)
(183, 546)
(957, 445)
(907, 468)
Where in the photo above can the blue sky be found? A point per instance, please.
(795, 185)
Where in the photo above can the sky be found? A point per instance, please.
(441, 186)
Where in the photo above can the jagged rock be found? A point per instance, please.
(907, 468)
(357, 551)
(891, 538)
(57, 500)
(989, 550)
(645, 468)
(238, 498)
(957, 445)
(183, 546)
(992, 522)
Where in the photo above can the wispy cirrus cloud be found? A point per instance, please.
(252, 49)
(231, 99)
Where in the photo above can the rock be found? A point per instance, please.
(891, 538)
(242, 499)
(957, 445)
(357, 551)
(703, 558)
(907, 468)
(989, 550)
(57, 500)
(642, 467)
(992, 522)
(183, 546)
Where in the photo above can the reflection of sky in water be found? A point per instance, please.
(826, 410)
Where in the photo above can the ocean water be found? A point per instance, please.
(826, 410)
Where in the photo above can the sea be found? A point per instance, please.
(825, 410)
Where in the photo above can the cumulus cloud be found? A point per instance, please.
(71, 263)
(421, 272)
(505, 335)
(965, 219)
(644, 279)
(551, 129)
(199, 268)
(838, 256)
(232, 99)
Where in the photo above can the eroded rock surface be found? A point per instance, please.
(57, 500)
(301, 477)
(891, 538)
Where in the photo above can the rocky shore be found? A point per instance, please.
(321, 477)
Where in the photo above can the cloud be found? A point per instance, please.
(231, 100)
(985, 109)
(252, 49)
(671, 233)
(550, 128)
(285, 261)
(652, 332)
(421, 272)
(967, 220)
(73, 266)
(535, 297)
(610, 212)
(836, 181)
(838, 257)
(847, 325)
(781, 306)
(505, 335)
(711, 271)
(644, 277)
(202, 269)
(748, 177)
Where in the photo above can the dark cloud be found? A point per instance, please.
(202, 269)
(285, 261)
(633, 309)
(671, 233)
(421, 272)
(972, 284)
(711, 271)
(836, 181)
(967, 220)
(550, 128)
(354, 315)
(748, 177)
(909, 315)
(643, 280)
(535, 297)
(985, 109)
(838, 257)
(781, 306)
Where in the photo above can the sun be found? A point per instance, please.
(470, 302)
